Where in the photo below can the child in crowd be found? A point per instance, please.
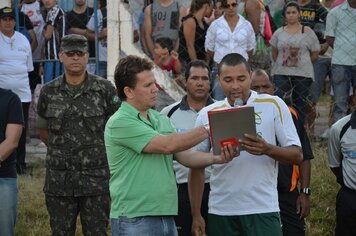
(166, 58)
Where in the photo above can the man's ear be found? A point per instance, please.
(128, 92)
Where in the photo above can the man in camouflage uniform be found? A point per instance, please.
(72, 113)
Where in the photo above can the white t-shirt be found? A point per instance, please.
(222, 41)
(103, 44)
(15, 63)
(248, 184)
(33, 11)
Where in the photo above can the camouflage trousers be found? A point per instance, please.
(93, 211)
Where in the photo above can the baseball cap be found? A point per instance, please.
(7, 11)
(74, 42)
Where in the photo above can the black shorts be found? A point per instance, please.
(292, 225)
(345, 212)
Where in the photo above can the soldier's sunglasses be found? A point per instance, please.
(72, 53)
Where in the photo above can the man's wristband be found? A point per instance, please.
(306, 191)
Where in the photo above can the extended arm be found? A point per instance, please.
(189, 28)
(176, 142)
(196, 180)
(274, 53)
(253, 12)
(148, 30)
(303, 201)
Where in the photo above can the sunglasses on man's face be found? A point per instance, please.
(232, 5)
(73, 53)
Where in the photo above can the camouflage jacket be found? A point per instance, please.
(76, 163)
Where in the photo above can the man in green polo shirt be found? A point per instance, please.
(140, 142)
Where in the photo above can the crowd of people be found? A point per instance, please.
(112, 155)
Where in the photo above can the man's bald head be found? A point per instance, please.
(261, 82)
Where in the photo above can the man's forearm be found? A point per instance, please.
(305, 172)
(196, 180)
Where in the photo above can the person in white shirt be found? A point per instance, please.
(15, 63)
(102, 36)
(231, 33)
(243, 198)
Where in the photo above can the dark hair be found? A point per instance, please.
(102, 3)
(290, 4)
(126, 71)
(196, 64)
(198, 4)
(165, 43)
(233, 59)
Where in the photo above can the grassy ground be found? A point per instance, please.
(33, 218)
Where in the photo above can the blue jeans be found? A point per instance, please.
(217, 91)
(8, 204)
(295, 90)
(143, 226)
(322, 68)
(342, 77)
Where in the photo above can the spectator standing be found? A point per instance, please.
(340, 34)
(53, 32)
(313, 14)
(140, 142)
(26, 28)
(183, 115)
(15, 63)
(161, 20)
(193, 31)
(77, 20)
(294, 49)
(242, 201)
(254, 11)
(341, 158)
(227, 34)
(72, 112)
(33, 10)
(101, 26)
(11, 126)
(294, 206)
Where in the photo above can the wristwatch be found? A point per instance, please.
(306, 191)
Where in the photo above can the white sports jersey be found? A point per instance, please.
(248, 184)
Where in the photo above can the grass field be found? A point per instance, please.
(33, 219)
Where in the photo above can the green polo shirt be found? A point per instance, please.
(141, 184)
(341, 24)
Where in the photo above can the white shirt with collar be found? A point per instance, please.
(222, 41)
